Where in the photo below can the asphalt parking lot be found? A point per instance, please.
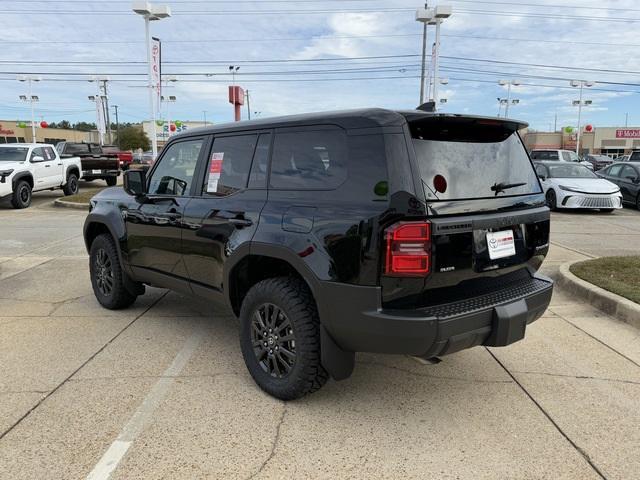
(160, 390)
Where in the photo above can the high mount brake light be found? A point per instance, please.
(408, 249)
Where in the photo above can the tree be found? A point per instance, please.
(85, 126)
(132, 138)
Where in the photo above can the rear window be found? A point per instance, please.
(73, 149)
(545, 155)
(467, 159)
(635, 157)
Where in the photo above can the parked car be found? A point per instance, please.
(142, 161)
(627, 177)
(124, 156)
(561, 155)
(575, 186)
(624, 158)
(334, 233)
(30, 167)
(96, 164)
(598, 161)
(634, 156)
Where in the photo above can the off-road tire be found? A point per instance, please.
(21, 197)
(104, 266)
(292, 296)
(71, 187)
(551, 200)
(111, 181)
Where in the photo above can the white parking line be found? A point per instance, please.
(118, 449)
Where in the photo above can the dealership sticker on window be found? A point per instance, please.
(215, 169)
(501, 244)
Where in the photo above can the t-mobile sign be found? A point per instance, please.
(628, 133)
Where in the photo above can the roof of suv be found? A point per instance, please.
(361, 118)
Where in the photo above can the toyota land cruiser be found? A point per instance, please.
(399, 232)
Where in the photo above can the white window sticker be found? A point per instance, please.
(215, 169)
(501, 244)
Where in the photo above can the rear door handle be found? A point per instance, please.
(240, 222)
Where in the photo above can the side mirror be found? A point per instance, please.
(135, 182)
(37, 159)
(542, 178)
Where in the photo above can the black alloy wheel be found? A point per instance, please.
(273, 340)
(71, 187)
(103, 272)
(21, 197)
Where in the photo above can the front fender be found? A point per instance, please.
(111, 218)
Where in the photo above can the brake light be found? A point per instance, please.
(408, 249)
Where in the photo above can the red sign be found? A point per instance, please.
(6, 132)
(628, 133)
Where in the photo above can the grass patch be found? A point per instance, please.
(620, 275)
(82, 197)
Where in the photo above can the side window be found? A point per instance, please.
(258, 175)
(628, 171)
(614, 170)
(566, 157)
(229, 164)
(308, 160)
(553, 156)
(541, 170)
(174, 173)
(48, 154)
(36, 152)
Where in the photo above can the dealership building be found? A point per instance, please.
(10, 132)
(611, 141)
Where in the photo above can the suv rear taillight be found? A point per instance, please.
(408, 249)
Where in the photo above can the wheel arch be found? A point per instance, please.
(22, 176)
(71, 169)
(253, 262)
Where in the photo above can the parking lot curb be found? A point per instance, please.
(610, 303)
(58, 202)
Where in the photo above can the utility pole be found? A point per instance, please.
(248, 105)
(555, 121)
(204, 115)
(31, 99)
(441, 12)
(626, 120)
(117, 125)
(105, 107)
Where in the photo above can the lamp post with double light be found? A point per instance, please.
(579, 103)
(31, 99)
(151, 12)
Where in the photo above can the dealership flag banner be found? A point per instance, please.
(156, 70)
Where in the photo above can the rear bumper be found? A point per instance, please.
(495, 319)
(100, 173)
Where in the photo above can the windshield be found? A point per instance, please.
(570, 171)
(13, 154)
(635, 157)
(477, 166)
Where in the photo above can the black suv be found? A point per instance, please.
(328, 234)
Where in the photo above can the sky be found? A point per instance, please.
(306, 55)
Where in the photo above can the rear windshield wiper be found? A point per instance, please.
(502, 186)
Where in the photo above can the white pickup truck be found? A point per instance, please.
(30, 167)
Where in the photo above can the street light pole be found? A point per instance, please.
(441, 12)
(248, 105)
(581, 84)
(151, 12)
(31, 99)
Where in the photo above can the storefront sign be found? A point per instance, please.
(6, 132)
(628, 133)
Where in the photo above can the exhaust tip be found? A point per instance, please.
(426, 361)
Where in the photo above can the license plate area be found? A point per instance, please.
(96, 172)
(498, 247)
(501, 244)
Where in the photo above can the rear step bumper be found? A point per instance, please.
(495, 319)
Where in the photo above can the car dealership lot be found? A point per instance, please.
(160, 390)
